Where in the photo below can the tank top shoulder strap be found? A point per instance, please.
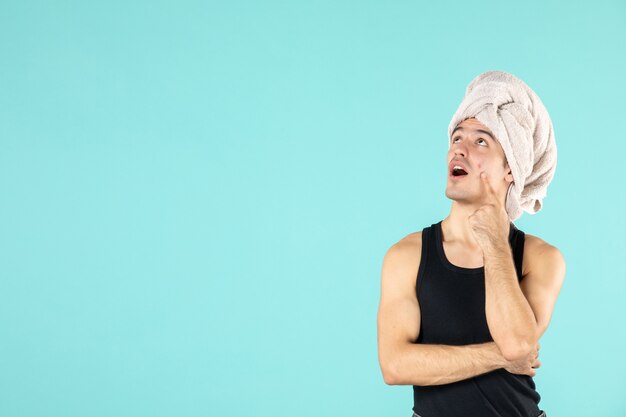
(428, 248)
(516, 239)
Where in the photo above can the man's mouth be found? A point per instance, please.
(457, 168)
(457, 173)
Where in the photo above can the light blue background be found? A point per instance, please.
(196, 197)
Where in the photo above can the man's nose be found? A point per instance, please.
(459, 148)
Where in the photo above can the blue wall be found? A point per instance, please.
(196, 197)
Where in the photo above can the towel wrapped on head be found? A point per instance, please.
(522, 126)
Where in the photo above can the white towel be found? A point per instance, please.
(522, 126)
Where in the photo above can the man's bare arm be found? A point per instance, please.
(423, 364)
(403, 361)
(520, 312)
(509, 316)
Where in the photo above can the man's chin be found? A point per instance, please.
(462, 197)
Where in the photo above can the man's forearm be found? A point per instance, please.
(429, 364)
(510, 319)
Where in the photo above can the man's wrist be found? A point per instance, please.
(495, 355)
(496, 249)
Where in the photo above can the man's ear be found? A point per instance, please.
(509, 175)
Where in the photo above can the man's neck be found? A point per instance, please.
(456, 227)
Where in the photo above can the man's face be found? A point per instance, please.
(474, 147)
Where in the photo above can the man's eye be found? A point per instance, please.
(458, 137)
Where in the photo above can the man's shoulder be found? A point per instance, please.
(539, 251)
(535, 244)
(406, 251)
(402, 260)
(408, 242)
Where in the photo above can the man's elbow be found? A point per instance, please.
(393, 369)
(518, 350)
(389, 379)
(389, 374)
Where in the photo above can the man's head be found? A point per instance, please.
(475, 148)
(515, 116)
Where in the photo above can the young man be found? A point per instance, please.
(465, 301)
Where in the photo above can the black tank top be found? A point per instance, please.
(452, 304)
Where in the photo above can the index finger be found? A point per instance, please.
(491, 192)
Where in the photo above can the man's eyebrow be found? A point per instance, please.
(477, 130)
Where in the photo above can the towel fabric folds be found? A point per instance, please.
(522, 126)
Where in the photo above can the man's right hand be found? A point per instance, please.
(525, 366)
